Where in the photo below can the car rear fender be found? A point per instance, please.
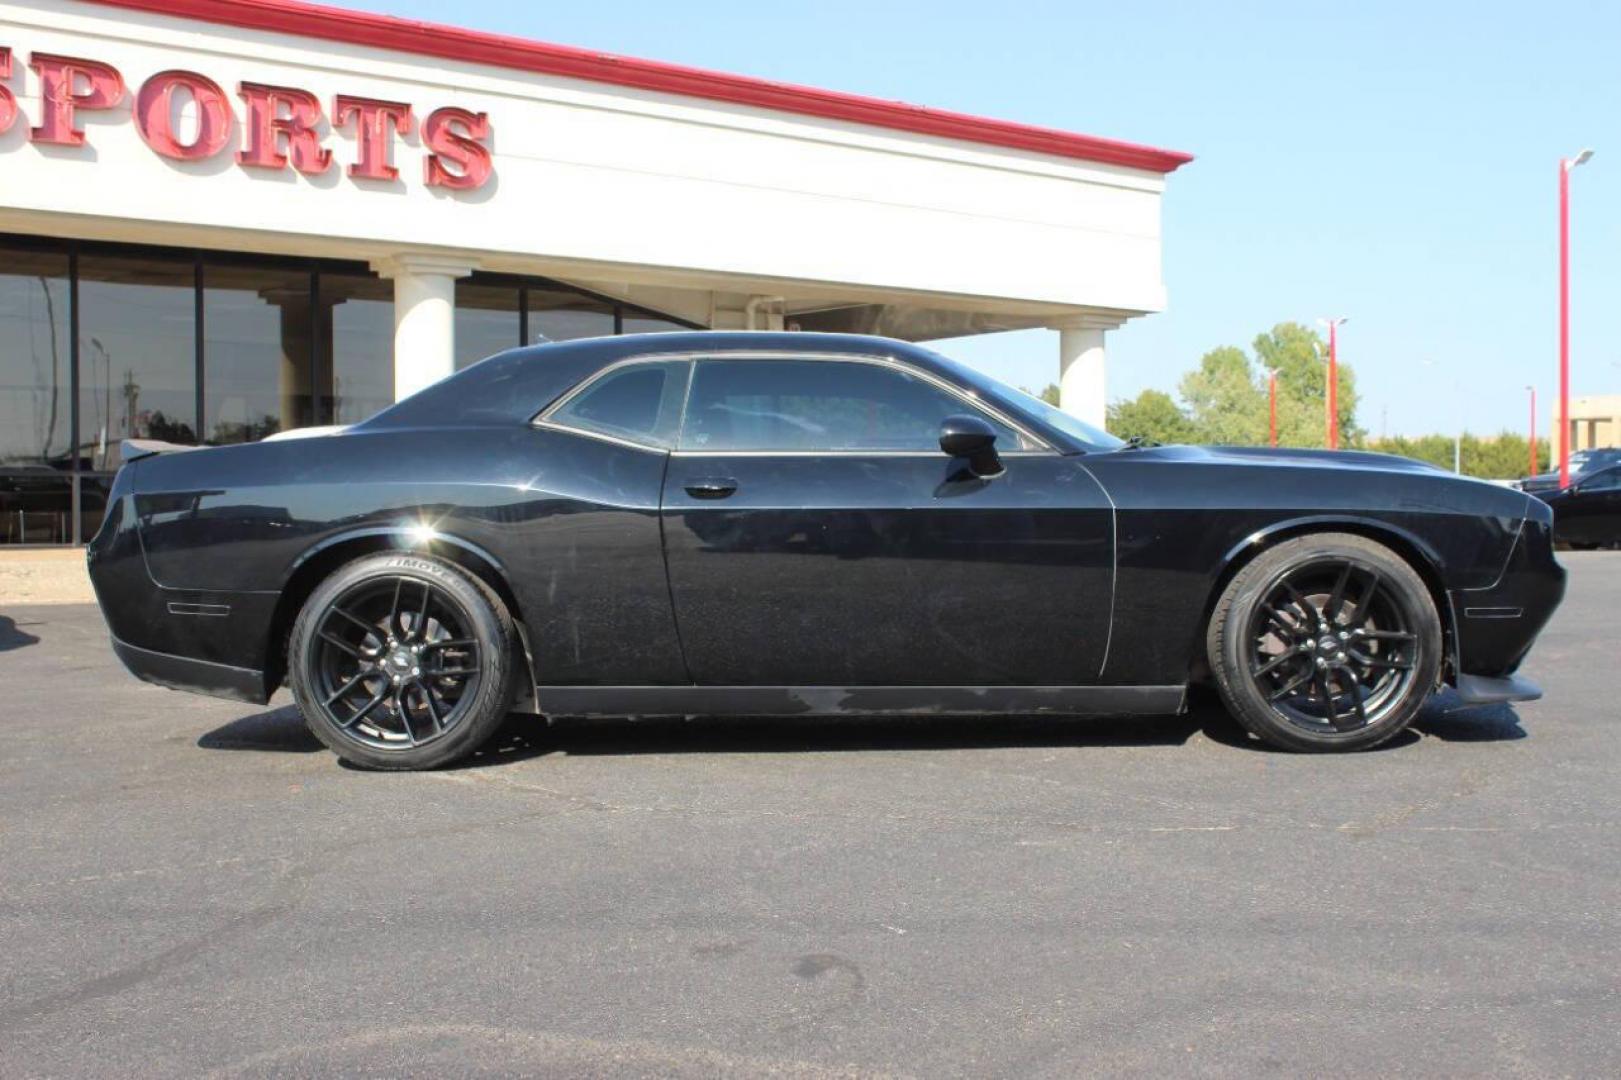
(320, 560)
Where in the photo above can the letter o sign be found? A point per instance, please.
(155, 115)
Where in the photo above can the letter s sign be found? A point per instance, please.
(455, 137)
(8, 103)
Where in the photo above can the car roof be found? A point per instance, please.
(516, 384)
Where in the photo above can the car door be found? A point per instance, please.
(816, 535)
(1597, 505)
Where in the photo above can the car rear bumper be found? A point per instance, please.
(187, 673)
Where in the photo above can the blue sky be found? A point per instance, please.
(1392, 162)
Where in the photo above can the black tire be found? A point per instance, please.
(1345, 614)
(1583, 545)
(420, 655)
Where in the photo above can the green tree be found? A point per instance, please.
(1502, 457)
(1300, 357)
(1225, 403)
(1150, 415)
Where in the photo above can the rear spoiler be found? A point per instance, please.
(134, 449)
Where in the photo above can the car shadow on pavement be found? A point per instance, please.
(13, 638)
(524, 737)
(1443, 717)
(275, 730)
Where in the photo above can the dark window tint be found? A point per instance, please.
(137, 353)
(256, 351)
(559, 315)
(637, 402)
(36, 374)
(487, 320)
(635, 323)
(354, 367)
(818, 405)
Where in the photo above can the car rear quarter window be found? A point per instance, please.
(829, 405)
(638, 402)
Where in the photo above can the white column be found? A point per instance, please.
(424, 317)
(1083, 385)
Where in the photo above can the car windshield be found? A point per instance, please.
(1582, 460)
(999, 393)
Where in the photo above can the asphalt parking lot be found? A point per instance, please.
(193, 886)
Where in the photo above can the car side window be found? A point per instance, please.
(808, 405)
(638, 402)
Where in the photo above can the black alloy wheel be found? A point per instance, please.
(1326, 642)
(1331, 645)
(402, 662)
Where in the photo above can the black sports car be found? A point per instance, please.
(1582, 462)
(1587, 514)
(757, 524)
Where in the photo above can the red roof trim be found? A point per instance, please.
(496, 50)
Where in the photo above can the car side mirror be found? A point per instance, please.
(970, 437)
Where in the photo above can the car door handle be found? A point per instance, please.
(711, 487)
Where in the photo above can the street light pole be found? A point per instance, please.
(1333, 380)
(1565, 167)
(1533, 439)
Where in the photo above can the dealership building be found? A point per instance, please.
(221, 219)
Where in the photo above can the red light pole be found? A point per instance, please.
(1533, 440)
(1565, 166)
(1333, 380)
(1272, 406)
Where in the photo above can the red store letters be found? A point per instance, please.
(281, 126)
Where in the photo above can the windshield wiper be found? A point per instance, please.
(1141, 442)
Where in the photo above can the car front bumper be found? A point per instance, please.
(1495, 627)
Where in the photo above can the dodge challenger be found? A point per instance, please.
(770, 524)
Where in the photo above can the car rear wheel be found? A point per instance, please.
(402, 662)
(1325, 642)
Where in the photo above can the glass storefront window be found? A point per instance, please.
(137, 353)
(487, 320)
(635, 323)
(355, 358)
(35, 365)
(36, 407)
(256, 352)
(559, 315)
(284, 344)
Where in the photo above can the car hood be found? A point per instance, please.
(1351, 460)
(1355, 478)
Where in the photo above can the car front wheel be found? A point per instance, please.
(402, 661)
(1325, 642)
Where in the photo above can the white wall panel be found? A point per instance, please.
(595, 174)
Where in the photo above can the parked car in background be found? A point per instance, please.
(1581, 462)
(36, 504)
(802, 524)
(1587, 514)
